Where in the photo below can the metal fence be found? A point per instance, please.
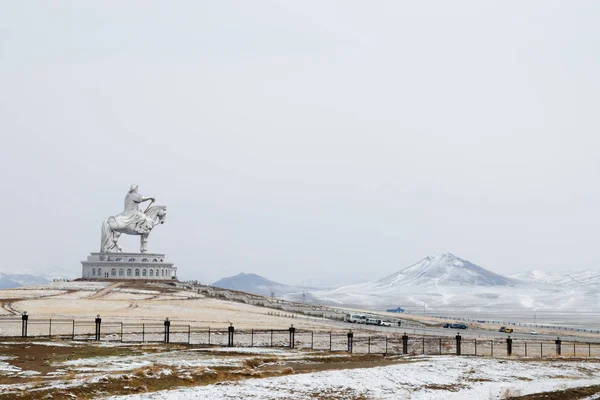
(168, 332)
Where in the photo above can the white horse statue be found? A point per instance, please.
(132, 222)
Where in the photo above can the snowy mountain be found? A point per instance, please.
(445, 270)
(443, 282)
(256, 284)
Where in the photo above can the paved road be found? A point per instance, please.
(465, 333)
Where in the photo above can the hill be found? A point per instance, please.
(445, 270)
(9, 281)
(252, 283)
(442, 282)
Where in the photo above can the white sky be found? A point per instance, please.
(300, 140)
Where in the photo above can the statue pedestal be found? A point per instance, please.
(130, 266)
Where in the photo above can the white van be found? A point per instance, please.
(355, 318)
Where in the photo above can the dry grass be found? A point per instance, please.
(509, 393)
(566, 394)
(257, 362)
(448, 388)
(157, 377)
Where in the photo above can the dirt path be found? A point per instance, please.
(7, 305)
(106, 290)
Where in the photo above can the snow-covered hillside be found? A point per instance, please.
(443, 280)
(578, 279)
(445, 270)
(448, 285)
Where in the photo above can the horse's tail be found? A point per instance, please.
(106, 239)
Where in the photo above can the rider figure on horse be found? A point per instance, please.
(132, 211)
(131, 221)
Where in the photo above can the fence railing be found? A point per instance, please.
(168, 332)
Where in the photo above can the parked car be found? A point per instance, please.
(386, 323)
(506, 330)
(533, 332)
(455, 326)
(373, 321)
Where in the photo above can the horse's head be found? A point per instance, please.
(158, 214)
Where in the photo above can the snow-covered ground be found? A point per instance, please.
(424, 378)
(338, 375)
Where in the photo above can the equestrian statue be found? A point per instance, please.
(132, 222)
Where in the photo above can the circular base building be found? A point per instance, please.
(134, 266)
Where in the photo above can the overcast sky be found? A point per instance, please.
(339, 141)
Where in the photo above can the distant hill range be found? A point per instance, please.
(445, 284)
(439, 281)
(10, 281)
(252, 283)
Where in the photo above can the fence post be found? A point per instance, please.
(458, 338)
(271, 337)
(209, 335)
(73, 329)
(589, 349)
(475, 346)
(350, 340)
(440, 346)
(121, 331)
(251, 337)
(24, 318)
(230, 332)
(558, 342)
(525, 349)
(574, 349)
(292, 336)
(98, 323)
(50, 328)
(311, 340)
(404, 344)
(491, 348)
(508, 346)
(167, 330)
(144, 333)
(329, 340)
(541, 349)
(189, 334)
(423, 344)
